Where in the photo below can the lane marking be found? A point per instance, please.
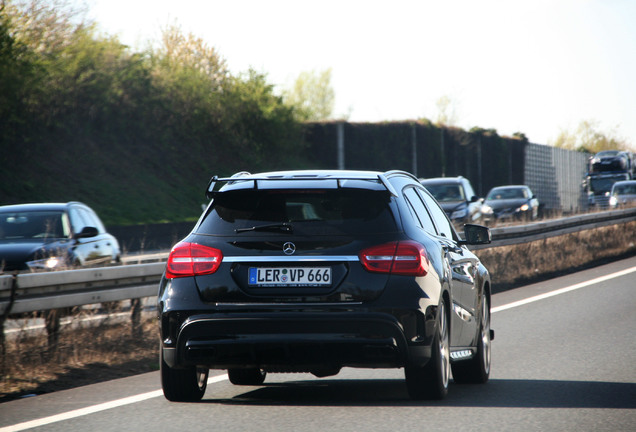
(95, 408)
(562, 290)
(215, 379)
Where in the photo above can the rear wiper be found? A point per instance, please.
(284, 226)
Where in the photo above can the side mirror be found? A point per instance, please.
(476, 234)
(474, 198)
(87, 232)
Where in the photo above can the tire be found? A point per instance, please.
(183, 385)
(477, 369)
(431, 380)
(246, 376)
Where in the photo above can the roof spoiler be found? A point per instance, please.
(210, 191)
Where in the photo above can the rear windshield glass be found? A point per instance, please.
(309, 212)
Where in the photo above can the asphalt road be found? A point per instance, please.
(563, 359)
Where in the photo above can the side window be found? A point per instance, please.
(412, 213)
(470, 193)
(92, 220)
(420, 210)
(66, 225)
(443, 225)
(77, 221)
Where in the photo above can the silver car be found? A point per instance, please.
(53, 236)
(623, 194)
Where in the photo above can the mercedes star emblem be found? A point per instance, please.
(289, 248)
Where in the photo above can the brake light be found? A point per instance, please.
(191, 259)
(401, 258)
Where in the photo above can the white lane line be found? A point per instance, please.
(563, 290)
(153, 394)
(95, 408)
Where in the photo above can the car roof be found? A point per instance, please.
(442, 180)
(624, 182)
(510, 187)
(37, 207)
(608, 153)
(305, 174)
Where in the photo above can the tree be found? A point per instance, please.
(520, 136)
(311, 96)
(17, 73)
(261, 128)
(46, 26)
(589, 138)
(135, 126)
(446, 111)
(188, 77)
(187, 54)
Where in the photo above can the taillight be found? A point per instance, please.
(402, 258)
(191, 259)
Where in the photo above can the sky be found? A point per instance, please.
(537, 67)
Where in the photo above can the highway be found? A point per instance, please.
(563, 359)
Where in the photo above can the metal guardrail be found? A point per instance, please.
(145, 258)
(511, 235)
(45, 291)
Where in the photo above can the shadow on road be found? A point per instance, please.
(497, 393)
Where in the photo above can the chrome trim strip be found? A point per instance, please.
(285, 258)
(462, 354)
(290, 305)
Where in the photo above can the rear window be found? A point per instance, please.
(309, 212)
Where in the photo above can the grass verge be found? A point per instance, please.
(82, 356)
(516, 265)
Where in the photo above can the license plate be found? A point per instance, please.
(290, 276)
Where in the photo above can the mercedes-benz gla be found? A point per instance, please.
(313, 271)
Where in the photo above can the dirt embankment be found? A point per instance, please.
(515, 265)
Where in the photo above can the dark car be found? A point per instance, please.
(612, 160)
(53, 236)
(456, 196)
(510, 202)
(312, 271)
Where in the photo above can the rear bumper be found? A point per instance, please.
(293, 341)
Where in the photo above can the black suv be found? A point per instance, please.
(312, 271)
